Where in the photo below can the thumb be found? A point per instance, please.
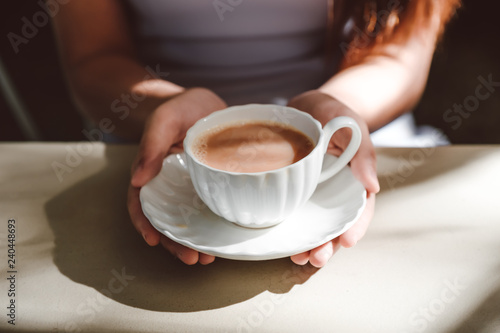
(158, 137)
(364, 165)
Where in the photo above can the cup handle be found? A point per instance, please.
(330, 128)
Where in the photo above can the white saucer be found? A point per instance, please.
(172, 206)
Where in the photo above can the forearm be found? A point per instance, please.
(384, 85)
(106, 80)
(117, 87)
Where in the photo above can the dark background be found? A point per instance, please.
(470, 48)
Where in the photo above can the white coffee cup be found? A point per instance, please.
(263, 199)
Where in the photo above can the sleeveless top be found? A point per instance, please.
(247, 51)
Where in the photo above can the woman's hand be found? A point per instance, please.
(165, 129)
(323, 107)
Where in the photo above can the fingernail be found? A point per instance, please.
(136, 170)
(145, 236)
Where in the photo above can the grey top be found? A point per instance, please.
(245, 50)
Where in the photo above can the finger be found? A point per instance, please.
(301, 258)
(341, 138)
(205, 259)
(185, 254)
(358, 230)
(159, 135)
(364, 164)
(320, 255)
(140, 222)
(176, 149)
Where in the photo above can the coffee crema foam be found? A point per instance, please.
(251, 146)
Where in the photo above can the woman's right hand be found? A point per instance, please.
(164, 131)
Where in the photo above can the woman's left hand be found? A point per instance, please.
(323, 107)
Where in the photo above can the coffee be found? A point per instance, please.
(251, 146)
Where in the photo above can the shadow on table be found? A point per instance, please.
(485, 317)
(96, 245)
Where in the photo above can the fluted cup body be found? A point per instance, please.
(260, 199)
